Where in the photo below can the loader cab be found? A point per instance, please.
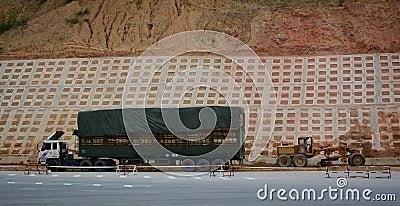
(305, 145)
(296, 154)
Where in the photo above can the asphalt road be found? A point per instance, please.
(156, 188)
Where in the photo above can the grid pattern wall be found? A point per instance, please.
(324, 97)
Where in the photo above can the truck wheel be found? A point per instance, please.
(188, 165)
(204, 165)
(52, 163)
(300, 160)
(217, 164)
(283, 161)
(110, 162)
(357, 159)
(86, 163)
(100, 163)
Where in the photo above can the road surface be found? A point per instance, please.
(157, 188)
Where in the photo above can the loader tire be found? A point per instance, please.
(300, 160)
(284, 161)
(357, 159)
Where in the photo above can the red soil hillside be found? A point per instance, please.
(84, 28)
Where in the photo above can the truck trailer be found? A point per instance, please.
(103, 140)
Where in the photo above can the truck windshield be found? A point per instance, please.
(46, 146)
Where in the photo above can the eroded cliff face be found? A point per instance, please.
(127, 27)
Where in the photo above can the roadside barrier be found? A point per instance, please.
(379, 172)
(222, 170)
(126, 170)
(82, 167)
(358, 172)
(36, 169)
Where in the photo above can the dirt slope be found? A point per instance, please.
(127, 27)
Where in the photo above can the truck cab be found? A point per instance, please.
(53, 151)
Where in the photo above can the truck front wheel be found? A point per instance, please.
(51, 163)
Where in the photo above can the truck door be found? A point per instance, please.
(55, 152)
(63, 150)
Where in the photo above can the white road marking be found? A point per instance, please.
(99, 175)
(54, 175)
(67, 184)
(146, 177)
(171, 177)
(77, 175)
(224, 178)
(11, 174)
(96, 185)
(103, 180)
(87, 190)
(28, 188)
(122, 176)
(128, 186)
(11, 182)
(32, 175)
(197, 178)
(38, 183)
(250, 178)
(138, 186)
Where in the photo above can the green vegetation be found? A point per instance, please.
(73, 21)
(83, 12)
(283, 4)
(12, 21)
(296, 3)
(78, 17)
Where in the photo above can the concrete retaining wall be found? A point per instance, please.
(352, 98)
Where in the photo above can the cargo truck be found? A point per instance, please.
(103, 140)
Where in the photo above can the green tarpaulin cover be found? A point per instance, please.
(156, 120)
